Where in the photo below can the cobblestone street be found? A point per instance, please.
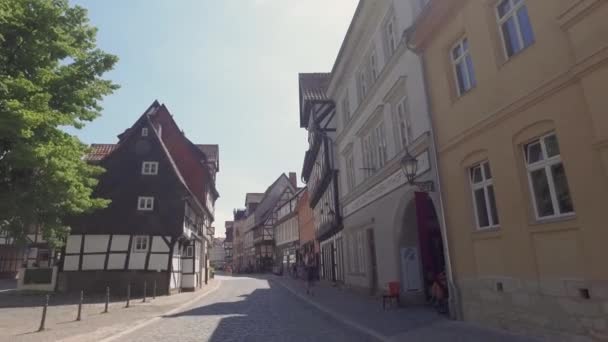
(248, 309)
(276, 309)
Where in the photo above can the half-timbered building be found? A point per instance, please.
(158, 225)
(257, 227)
(286, 232)
(34, 252)
(317, 115)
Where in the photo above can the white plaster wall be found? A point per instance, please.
(71, 263)
(177, 264)
(175, 280)
(197, 253)
(137, 261)
(187, 266)
(120, 243)
(188, 280)
(93, 262)
(73, 244)
(158, 262)
(117, 261)
(96, 243)
(159, 245)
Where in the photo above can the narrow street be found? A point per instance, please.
(248, 309)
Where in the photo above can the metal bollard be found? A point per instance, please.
(107, 299)
(145, 290)
(43, 320)
(79, 317)
(154, 290)
(128, 294)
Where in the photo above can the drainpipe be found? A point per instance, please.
(455, 304)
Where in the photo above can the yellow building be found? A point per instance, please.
(519, 103)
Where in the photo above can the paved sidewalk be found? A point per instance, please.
(414, 323)
(7, 285)
(20, 315)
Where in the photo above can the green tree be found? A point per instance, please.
(50, 78)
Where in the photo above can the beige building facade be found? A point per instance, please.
(519, 101)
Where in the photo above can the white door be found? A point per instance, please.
(410, 270)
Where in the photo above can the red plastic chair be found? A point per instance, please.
(394, 289)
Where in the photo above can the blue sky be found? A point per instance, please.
(227, 71)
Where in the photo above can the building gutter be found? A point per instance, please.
(455, 303)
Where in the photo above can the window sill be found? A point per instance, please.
(466, 94)
(487, 233)
(508, 59)
(541, 224)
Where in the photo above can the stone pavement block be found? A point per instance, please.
(411, 323)
(20, 316)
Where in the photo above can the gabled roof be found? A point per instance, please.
(99, 152)
(253, 197)
(212, 152)
(313, 87)
(271, 197)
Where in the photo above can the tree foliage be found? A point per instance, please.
(50, 78)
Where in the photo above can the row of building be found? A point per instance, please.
(459, 138)
(274, 232)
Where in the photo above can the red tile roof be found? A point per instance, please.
(99, 151)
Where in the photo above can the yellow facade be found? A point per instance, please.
(547, 276)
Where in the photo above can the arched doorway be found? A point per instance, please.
(421, 256)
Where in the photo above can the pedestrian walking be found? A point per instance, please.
(310, 277)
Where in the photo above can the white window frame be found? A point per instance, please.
(389, 35)
(501, 20)
(368, 152)
(484, 184)
(189, 253)
(145, 203)
(350, 171)
(546, 163)
(363, 86)
(149, 168)
(346, 108)
(141, 244)
(402, 115)
(381, 146)
(144, 132)
(373, 65)
(462, 59)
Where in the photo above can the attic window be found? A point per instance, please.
(144, 132)
(149, 168)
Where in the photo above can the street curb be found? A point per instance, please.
(154, 319)
(334, 314)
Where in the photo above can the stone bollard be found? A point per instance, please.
(105, 310)
(43, 320)
(145, 290)
(128, 294)
(79, 317)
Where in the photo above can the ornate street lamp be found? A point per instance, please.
(409, 166)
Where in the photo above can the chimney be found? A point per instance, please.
(293, 179)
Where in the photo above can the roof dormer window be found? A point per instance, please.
(144, 132)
